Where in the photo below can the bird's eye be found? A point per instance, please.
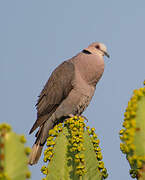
(98, 47)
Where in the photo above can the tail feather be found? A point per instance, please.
(41, 137)
(35, 154)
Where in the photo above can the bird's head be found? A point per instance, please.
(97, 48)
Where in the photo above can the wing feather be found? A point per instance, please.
(54, 92)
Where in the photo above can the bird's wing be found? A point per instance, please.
(55, 91)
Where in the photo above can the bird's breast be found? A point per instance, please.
(89, 67)
(83, 104)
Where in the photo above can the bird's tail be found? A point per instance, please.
(41, 136)
(36, 148)
(35, 153)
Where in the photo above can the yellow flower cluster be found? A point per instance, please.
(97, 150)
(53, 133)
(128, 134)
(44, 170)
(22, 139)
(27, 150)
(3, 176)
(4, 130)
(76, 127)
(5, 126)
(28, 174)
(73, 129)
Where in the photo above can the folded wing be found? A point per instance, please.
(55, 91)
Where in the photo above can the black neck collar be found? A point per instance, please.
(86, 51)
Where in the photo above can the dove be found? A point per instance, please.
(67, 92)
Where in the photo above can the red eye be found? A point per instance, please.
(98, 47)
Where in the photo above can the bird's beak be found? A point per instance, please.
(106, 54)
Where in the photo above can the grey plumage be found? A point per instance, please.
(67, 92)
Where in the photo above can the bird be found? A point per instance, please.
(67, 92)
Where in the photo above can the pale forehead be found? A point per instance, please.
(102, 46)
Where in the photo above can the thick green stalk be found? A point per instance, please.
(73, 152)
(13, 155)
(133, 134)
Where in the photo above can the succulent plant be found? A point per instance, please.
(133, 134)
(13, 155)
(73, 152)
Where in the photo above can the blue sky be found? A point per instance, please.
(36, 36)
